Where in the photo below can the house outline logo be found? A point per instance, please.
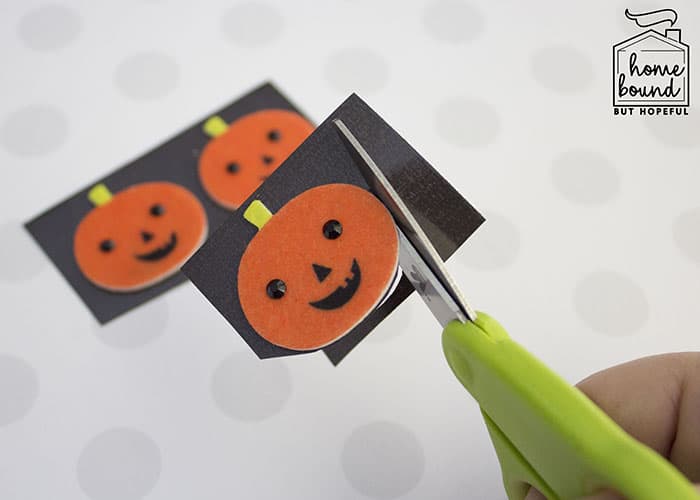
(652, 68)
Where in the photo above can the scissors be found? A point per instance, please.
(546, 433)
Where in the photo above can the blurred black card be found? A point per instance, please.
(446, 217)
(175, 161)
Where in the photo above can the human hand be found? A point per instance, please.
(657, 401)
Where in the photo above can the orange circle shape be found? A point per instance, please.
(331, 283)
(141, 236)
(235, 163)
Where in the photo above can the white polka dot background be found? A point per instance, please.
(146, 75)
(245, 389)
(49, 27)
(119, 464)
(34, 130)
(590, 254)
(385, 447)
(18, 389)
(356, 69)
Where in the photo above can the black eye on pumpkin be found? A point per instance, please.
(232, 168)
(332, 229)
(274, 135)
(157, 210)
(276, 289)
(107, 246)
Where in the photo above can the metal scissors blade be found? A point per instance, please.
(418, 258)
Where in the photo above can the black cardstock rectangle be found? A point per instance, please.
(175, 160)
(445, 216)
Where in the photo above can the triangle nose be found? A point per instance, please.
(322, 272)
(146, 236)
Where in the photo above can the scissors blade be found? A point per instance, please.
(418, 258)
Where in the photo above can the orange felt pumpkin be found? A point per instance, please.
(139, 236)
(243, 154)
(318, 266)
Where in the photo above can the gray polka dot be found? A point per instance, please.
(136, 328)
(676, 131)
(34, 130)
(49, 27)
(252, 24)
(467, 122)
(119, 464)
(394, 325)
(686, 233)
(383, 460)
(495, 244)
(19, 387)
(147, 75)
(611, 303)
(358, 70)
(246, 388)
(453, 21)
(20, 257)
(585, 177)
(562, 69)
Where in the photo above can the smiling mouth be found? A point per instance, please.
(161, 252)
(342, 294)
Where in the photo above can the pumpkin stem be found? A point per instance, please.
(257, 214)
(99, 195)
(214, 126)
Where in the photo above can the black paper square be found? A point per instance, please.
(175, 160)
(445, 216)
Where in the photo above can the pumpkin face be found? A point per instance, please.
(139, 236)
(318, 266)
(240, 158)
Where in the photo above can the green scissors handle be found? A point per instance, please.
(547, 433)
